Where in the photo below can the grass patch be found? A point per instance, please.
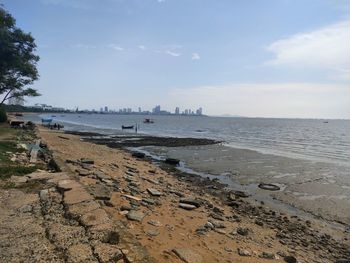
(8, 171)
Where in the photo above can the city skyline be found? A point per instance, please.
(250, 58)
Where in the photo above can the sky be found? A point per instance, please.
(271, 58)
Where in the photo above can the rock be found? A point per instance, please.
(343, 261)
(154, 192)
(95, 217)
(267, 255)
(233, 194)
(135, 215)
(187, 255)
(243, 252)
(227, 249)
(195, 202)
(259, 223)
(125, 208)
(217, 224)
(19, 179)
(44, 195)
(291, 259)
(187, 206)
(220, 231)
(26, 209)
(217, 217)
(133, 197)
(176, 193)
(172, 161)
(154, 223)
(101, 176)
(83, 172)
(139, 155)
(209, 225)
(65, 185)
(153, 233)
(76, 196)
(80, 253)
(87, 161)
(243, 231)
(101, 192)
(108, 253)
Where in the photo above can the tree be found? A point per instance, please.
(17, 60)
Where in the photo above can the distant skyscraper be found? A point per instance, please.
(199, 111)
(139, 109)
(177, 110)
(106, 109)
(156, 109)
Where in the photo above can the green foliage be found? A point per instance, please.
(8, 171)
(17, 59)
(3, 116)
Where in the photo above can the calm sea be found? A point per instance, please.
(313, 139)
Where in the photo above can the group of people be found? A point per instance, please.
(55, 126)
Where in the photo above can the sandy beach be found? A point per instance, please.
(212, 230)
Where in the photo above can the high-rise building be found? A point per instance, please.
(199, 111)
(156, 109)
(139, 109)
(106, 109)
(177, 110)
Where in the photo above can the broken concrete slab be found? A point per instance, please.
(76, 195)
(154, 192)
(66, 184)
(95, 217)
(135, 215)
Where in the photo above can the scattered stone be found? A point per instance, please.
(101, 176)
(95, 217)
(154, 223)
(133, 197)
(139, 155)
(220, 231)
(217, 224)
(101, 192)
(267, 255)
(291, 259)
(65, 185)
(172, 161)
(187, 255)
(233, 194)
(108, 253)
(190, 201)
(125, 208)
(179, 194)
(19, 179)
(154, 192)
(259, 222)
(243, 231)
(87, 161)
(80, 253)
(76, 196)
(243, 252)
(152, 171)
(187, 206)
(26, 209)
(135, 215)
(44, 195)
(83, 172)
(227, 249)
(153, 233)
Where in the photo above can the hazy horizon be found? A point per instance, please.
(282, 59)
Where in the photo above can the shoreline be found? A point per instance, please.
(141, 143)
(241, 206)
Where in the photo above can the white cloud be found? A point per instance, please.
(325, 48)
(195, 56)
(83, 46)
(307, 100)
(160, 1)
(115, 47)
(142, 47)
(172, 53)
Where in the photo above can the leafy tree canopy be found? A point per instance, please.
(17, 59)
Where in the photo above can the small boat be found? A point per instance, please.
(148, 121)
(53, 116)
(127, 127)
(18, 114)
